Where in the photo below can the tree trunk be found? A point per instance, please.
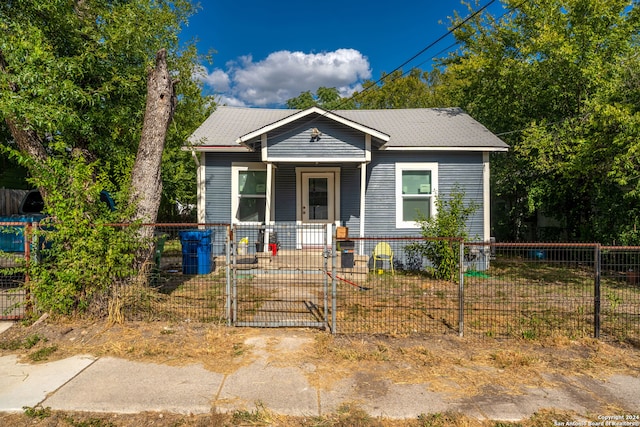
(28, 141)
(146, 180)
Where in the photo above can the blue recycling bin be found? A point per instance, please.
(196, 251)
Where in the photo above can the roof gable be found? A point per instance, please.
(308, 112)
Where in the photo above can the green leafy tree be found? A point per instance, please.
(73, 76)
(96, 83)
(80, 256)
(327, 98)
(557, 79)
(416, 89)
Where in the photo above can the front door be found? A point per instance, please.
(318, 206)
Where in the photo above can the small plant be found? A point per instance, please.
(443, 233)
(42, 353)
(28, 343)
(352, 415)
(614, 300)
(32, 340)
(238, 349)
(442, 419)
(11, 345)
(413, 259)
(37, 411)
(259, 416)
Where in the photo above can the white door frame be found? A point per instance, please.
(302, 175)
(306, 208)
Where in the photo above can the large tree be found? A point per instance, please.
(414, 89)
(73, 78)
(88, 89)
(558, 80)
(327, 98)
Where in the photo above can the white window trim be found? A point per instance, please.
(235, 197)
(401, 167)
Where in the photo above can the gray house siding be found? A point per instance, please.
(350, 198)
(464, 169)
(285, 189)
(285, 193)
(217, 178)
(294, 140)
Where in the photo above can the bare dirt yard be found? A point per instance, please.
(438, 360)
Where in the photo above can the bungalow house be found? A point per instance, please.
(368, 170)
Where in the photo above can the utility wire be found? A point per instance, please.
(441, 51)
(429, 46)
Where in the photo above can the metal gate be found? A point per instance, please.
(275, 279)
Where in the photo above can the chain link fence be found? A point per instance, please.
(317, 276)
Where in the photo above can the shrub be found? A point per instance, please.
(443, 233)
(81, 254)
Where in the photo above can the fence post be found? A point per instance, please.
(334, 292)
(461, 290)
(596, 292)
(27, 235)
(228, 274)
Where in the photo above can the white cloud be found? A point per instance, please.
(219, 80)
(284, 75)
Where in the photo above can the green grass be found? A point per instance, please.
(42, 353)
(259, 416)
(37, 411)
(26, 343)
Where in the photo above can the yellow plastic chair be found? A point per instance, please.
(383, 252)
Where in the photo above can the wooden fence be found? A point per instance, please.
(10, 201)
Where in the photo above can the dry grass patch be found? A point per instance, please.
(462, 367)
(512, 359)
(347, 415)
(219, 349)
(459, 366)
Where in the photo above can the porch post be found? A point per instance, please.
(269, 195)
(486, 197)
(267, 208)
(363, 186)
(200, 186)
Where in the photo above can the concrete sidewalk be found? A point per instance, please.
(111, 385)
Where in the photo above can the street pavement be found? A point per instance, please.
(114, 385)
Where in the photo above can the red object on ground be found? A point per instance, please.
(273, 247)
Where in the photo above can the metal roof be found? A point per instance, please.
(416, 128)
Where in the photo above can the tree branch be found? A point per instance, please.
(28, 141)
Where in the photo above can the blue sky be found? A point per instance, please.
(270, 51)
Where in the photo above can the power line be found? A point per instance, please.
(429, 46)
(441, 51)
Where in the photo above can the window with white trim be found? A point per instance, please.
(249, 193)
(416, 185)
